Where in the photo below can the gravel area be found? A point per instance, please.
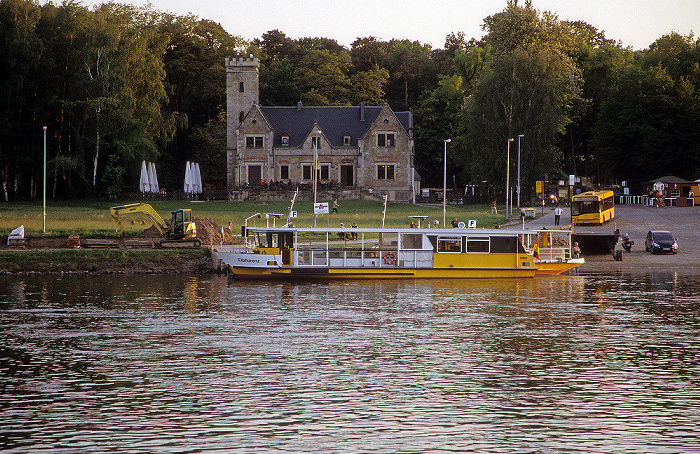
(636, 220)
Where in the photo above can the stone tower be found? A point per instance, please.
(242, 93)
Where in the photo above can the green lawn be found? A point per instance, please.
(92, 218)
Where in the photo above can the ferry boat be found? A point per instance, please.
(398, 253)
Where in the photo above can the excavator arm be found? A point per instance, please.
(144, 208)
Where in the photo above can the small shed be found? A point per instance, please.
(676, 191)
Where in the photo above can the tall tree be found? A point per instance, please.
(647, 127)
(20, 53)
(323, 78)
(525, 92)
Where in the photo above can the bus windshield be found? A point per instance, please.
(585, 208)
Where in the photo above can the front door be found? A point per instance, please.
(254, 175)
(346, 176)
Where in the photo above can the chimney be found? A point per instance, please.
(362, 111)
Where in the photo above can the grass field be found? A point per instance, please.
(92, 219)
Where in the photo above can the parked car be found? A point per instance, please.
(660, 241)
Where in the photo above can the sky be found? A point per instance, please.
(635, 23)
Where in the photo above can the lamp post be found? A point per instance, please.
(508, 176)
(444, 184)
(44, 197)
(314, 167)
(519, 137)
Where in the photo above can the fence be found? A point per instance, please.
(634, 200)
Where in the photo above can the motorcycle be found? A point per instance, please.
(627, 243)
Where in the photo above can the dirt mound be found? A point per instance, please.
(211, 233)
(208, 231)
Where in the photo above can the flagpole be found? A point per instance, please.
(315, 173)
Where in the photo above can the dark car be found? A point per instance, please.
(660, 241)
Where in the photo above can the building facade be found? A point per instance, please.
(364, 147)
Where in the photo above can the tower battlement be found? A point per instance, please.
(240, 61)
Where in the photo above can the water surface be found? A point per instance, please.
(172, 363)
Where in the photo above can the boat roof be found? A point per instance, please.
(406, 230)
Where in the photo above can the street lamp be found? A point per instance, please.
(519, 137)
(508, 176)
(44, 223)
(444, 184)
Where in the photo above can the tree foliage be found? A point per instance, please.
(118, 84)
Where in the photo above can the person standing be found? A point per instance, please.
(557, 215)
(494, 210)
(335, 206)
(575, 251)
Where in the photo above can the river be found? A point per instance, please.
(196, 364)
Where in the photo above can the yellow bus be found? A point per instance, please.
(593, 207)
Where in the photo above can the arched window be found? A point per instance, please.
(240, 87)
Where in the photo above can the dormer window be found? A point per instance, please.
(285, 141)
(346, 140)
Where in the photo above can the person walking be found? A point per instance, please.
(335, 206)
(557, 215)
(494, 210)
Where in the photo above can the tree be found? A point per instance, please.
(369, 86)
(411, 70)
(647, 127)
(437, 118)
(278, 86)
(323, 78)
(526, 92)
(208, 145)
(20, 54)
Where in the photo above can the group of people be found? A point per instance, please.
(348, 235)
(281, 184)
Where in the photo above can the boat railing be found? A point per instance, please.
(555, 254)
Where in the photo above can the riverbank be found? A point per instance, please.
(631, 219)
(104, 261)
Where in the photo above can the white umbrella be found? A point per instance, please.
(149, 169)
(198, 179)
(144, 184)
(153, 177)
(188, 179)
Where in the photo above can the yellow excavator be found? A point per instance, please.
(182, 232)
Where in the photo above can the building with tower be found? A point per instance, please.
(360, 147)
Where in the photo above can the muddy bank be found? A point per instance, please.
(104, 261)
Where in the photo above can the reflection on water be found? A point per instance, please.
(197, 364)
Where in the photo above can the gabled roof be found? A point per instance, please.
(668, 179)
(336, 122)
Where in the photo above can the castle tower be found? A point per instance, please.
(242, 93)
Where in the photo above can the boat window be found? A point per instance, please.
(411, 241)
(449, 245)
(389, 240)
(504, 244)
(477, 244)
